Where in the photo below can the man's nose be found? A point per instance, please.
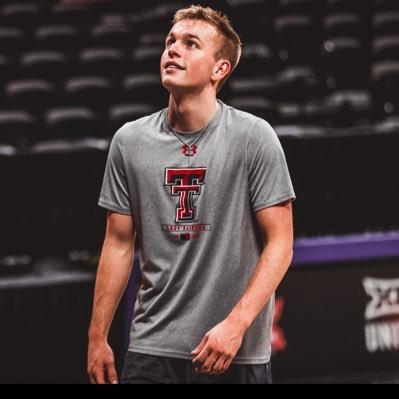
(174, 50)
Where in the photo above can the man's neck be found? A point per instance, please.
(188, 113)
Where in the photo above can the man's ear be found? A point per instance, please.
(222, 68)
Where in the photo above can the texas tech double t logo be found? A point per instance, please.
(185, 183)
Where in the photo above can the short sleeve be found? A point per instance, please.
(114, 193)
(268, 176)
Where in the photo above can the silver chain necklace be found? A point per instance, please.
(189, 150)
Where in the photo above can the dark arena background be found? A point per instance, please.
(324, 73)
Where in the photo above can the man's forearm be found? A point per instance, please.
(112, 276)
(269, 271)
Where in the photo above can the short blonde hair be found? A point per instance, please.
(231, 46)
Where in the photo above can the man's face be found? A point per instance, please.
(188, 61)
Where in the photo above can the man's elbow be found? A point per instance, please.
(285, 252)
(288, 248)
(288, 255)
(121, 248)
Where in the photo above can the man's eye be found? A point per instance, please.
(192, 44)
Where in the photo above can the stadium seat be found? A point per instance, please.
(94, 92)
(50, 65)
(72, 123)
(156, 18)
(58, 37)
(32, 95)
(26, 15)
(299, 84)
(388, 124)
(146, 59)
(385, 5)
(265, 86)
(7, 150)
(253, 19)
(257, 105)
(107, 62)
(119, 114)
(77, 15)
(385, 77)
(346, 64)
(386, 23)
(297, 39)
(349, 108)
(345, 24)
(13, 41)
(144, 88)
(7, 69)
(385, 48)
(110, 35)
(18, 128)
(257, 59)
(151, 39)
(290, 113)
(360, 7)
(307, 7)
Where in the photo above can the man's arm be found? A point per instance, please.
(219, 346)
(112, 276)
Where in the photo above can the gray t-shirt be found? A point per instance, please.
(194, 216)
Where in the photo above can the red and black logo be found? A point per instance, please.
(185, 183)
(189, 151)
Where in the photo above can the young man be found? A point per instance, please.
(207, 189)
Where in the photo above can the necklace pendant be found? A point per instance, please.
(189, 151)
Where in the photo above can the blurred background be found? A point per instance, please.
(324, 73)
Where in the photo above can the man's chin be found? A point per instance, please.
(173, 86)
(170, 81)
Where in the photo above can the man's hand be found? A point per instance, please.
(217, 349)
(100, 363)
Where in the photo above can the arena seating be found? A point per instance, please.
(323, 73)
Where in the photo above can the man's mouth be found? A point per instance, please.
(173, 65)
